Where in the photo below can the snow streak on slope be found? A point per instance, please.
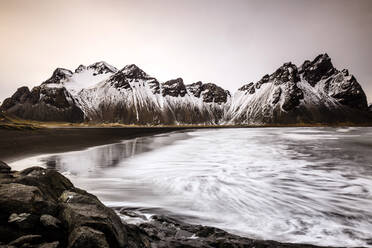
(315, 92)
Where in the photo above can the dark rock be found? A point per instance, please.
(80, 68)
(4, 168)
(132, 214)
(131, 73)
(49, 181)
(210, 92)
(54, 244)
(292, 96)
(44, 104)
(214, 93)
(49, 221)
(27, 239)
(154, 85)
(286, 73)
(83, 209)
(346, 90)
(174, 87)
(134, 72)
(320, 67)
(265, 79)
(195, 88)
(248, 88)
(20, 96)
(102, 68)
(23, 220)
(19, 198)
(276, 95)
(168, 232)
(87, 237)
(119, 81)
(59, 74)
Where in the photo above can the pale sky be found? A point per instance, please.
(228, 42)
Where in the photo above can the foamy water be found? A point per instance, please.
(302, 185)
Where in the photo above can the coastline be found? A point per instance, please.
(41, 208)
(18, 144)
(35, 139)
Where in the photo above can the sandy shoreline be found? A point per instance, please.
(17, 144)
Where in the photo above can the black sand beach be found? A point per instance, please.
(16, 144)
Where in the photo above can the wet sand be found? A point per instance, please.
(17, 144)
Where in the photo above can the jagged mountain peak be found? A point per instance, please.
(195, 89)
(174, 87)
(58, 75)
(102, 67)
(132, 71)
(320, 67)
(80, 68)
(315, 92)
(214, 93)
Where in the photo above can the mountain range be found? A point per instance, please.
(315, 92)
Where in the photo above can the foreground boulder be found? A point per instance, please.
(40, 208)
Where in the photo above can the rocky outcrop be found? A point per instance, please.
(101, 68)
(43, 103)
(59, 74)
(209, 92)
(40, 208)
(315, 92)
(174, 88)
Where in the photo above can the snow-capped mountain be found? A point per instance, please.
(315, 92)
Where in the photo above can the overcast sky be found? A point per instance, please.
(229, 42)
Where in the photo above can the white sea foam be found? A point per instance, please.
(303, 185)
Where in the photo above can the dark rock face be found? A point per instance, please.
(276, 95)
(131, 73)
(20, 95)
(134, 72)
(214, 93)
(174, 87)
(320, 67)
(248, 88)
(80, 68)
(286, 73)
(195, 88)
(162, 232)
(209, 92)
(346, 90)
(263, 80)
(4, 168)
(58, 75)
(119, 81)
(43, 104)
(40, 208)
(293, 95)
(101, 68)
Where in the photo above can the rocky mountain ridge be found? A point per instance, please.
(315, 92)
